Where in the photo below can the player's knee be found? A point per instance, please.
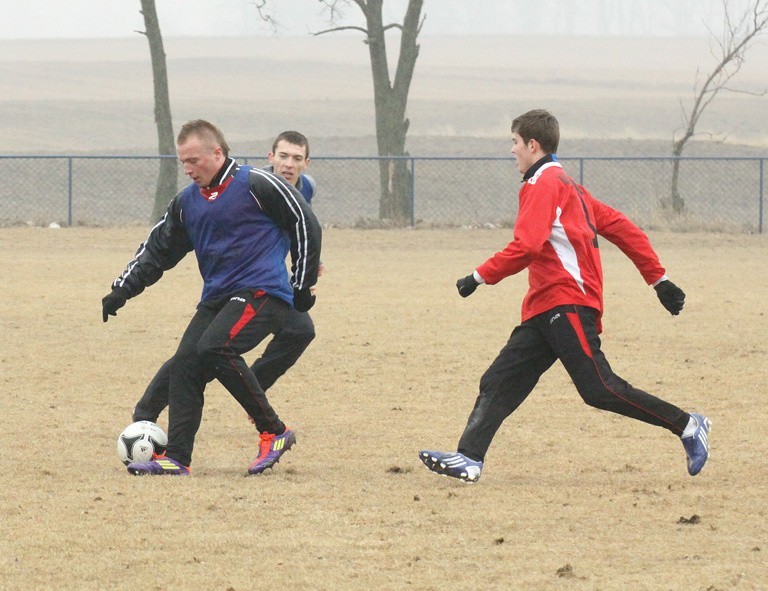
(306, 336)
(298, 338)
(601, 400)
(182, 361)
(300, 328)
(489, 382)
(208, 357)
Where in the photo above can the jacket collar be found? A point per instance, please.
(537, 165)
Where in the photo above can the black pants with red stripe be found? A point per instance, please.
(570, 334)
(290, 340)
(211, 348)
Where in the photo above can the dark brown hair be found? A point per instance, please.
(292, 137)
(539, 125)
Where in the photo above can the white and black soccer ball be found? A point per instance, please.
(139, 441)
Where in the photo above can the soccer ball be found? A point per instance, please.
(139, 441)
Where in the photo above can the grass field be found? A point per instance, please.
(571, 497)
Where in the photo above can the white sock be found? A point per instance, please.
(690, 428)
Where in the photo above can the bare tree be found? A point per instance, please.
(167, 179)
(390, 99)
(265, 15)
(729, 49)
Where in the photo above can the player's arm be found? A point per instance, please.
(617, 228)
(283, 203)
(308, 181)
(532, 230)
(309, 195)
(165, 246)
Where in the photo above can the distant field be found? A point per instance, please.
(610, 94)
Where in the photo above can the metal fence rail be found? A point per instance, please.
(725, 194)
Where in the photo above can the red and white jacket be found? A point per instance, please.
(555, 237)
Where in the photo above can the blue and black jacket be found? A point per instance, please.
(241, 228)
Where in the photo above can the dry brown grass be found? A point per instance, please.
(571, 498)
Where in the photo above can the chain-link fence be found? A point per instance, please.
(725, 194)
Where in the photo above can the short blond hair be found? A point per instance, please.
(206, 131)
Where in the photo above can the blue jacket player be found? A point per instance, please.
(242, 223)
(288, 158)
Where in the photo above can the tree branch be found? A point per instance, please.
(265, 16)
(334, 10)
(345, 28)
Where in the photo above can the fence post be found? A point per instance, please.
(69, 190)
(413, 190)
(762, 194)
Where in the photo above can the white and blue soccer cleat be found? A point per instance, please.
(452, 464)
(697, 445)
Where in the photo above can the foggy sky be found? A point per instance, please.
(120, 18)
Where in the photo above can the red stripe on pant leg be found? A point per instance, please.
(245, 318)
(575, 321)
(248, 313)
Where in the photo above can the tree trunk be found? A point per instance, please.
(168, 174)
(675, 203)
(390, 101)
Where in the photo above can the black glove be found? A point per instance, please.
(303, 299)
(467, 285)
(670, 296)
(113, 301)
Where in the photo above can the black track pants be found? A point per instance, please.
(568, 333)
(217, 336)
(285, 348)
(289, 342)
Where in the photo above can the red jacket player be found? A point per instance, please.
(556, 239)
